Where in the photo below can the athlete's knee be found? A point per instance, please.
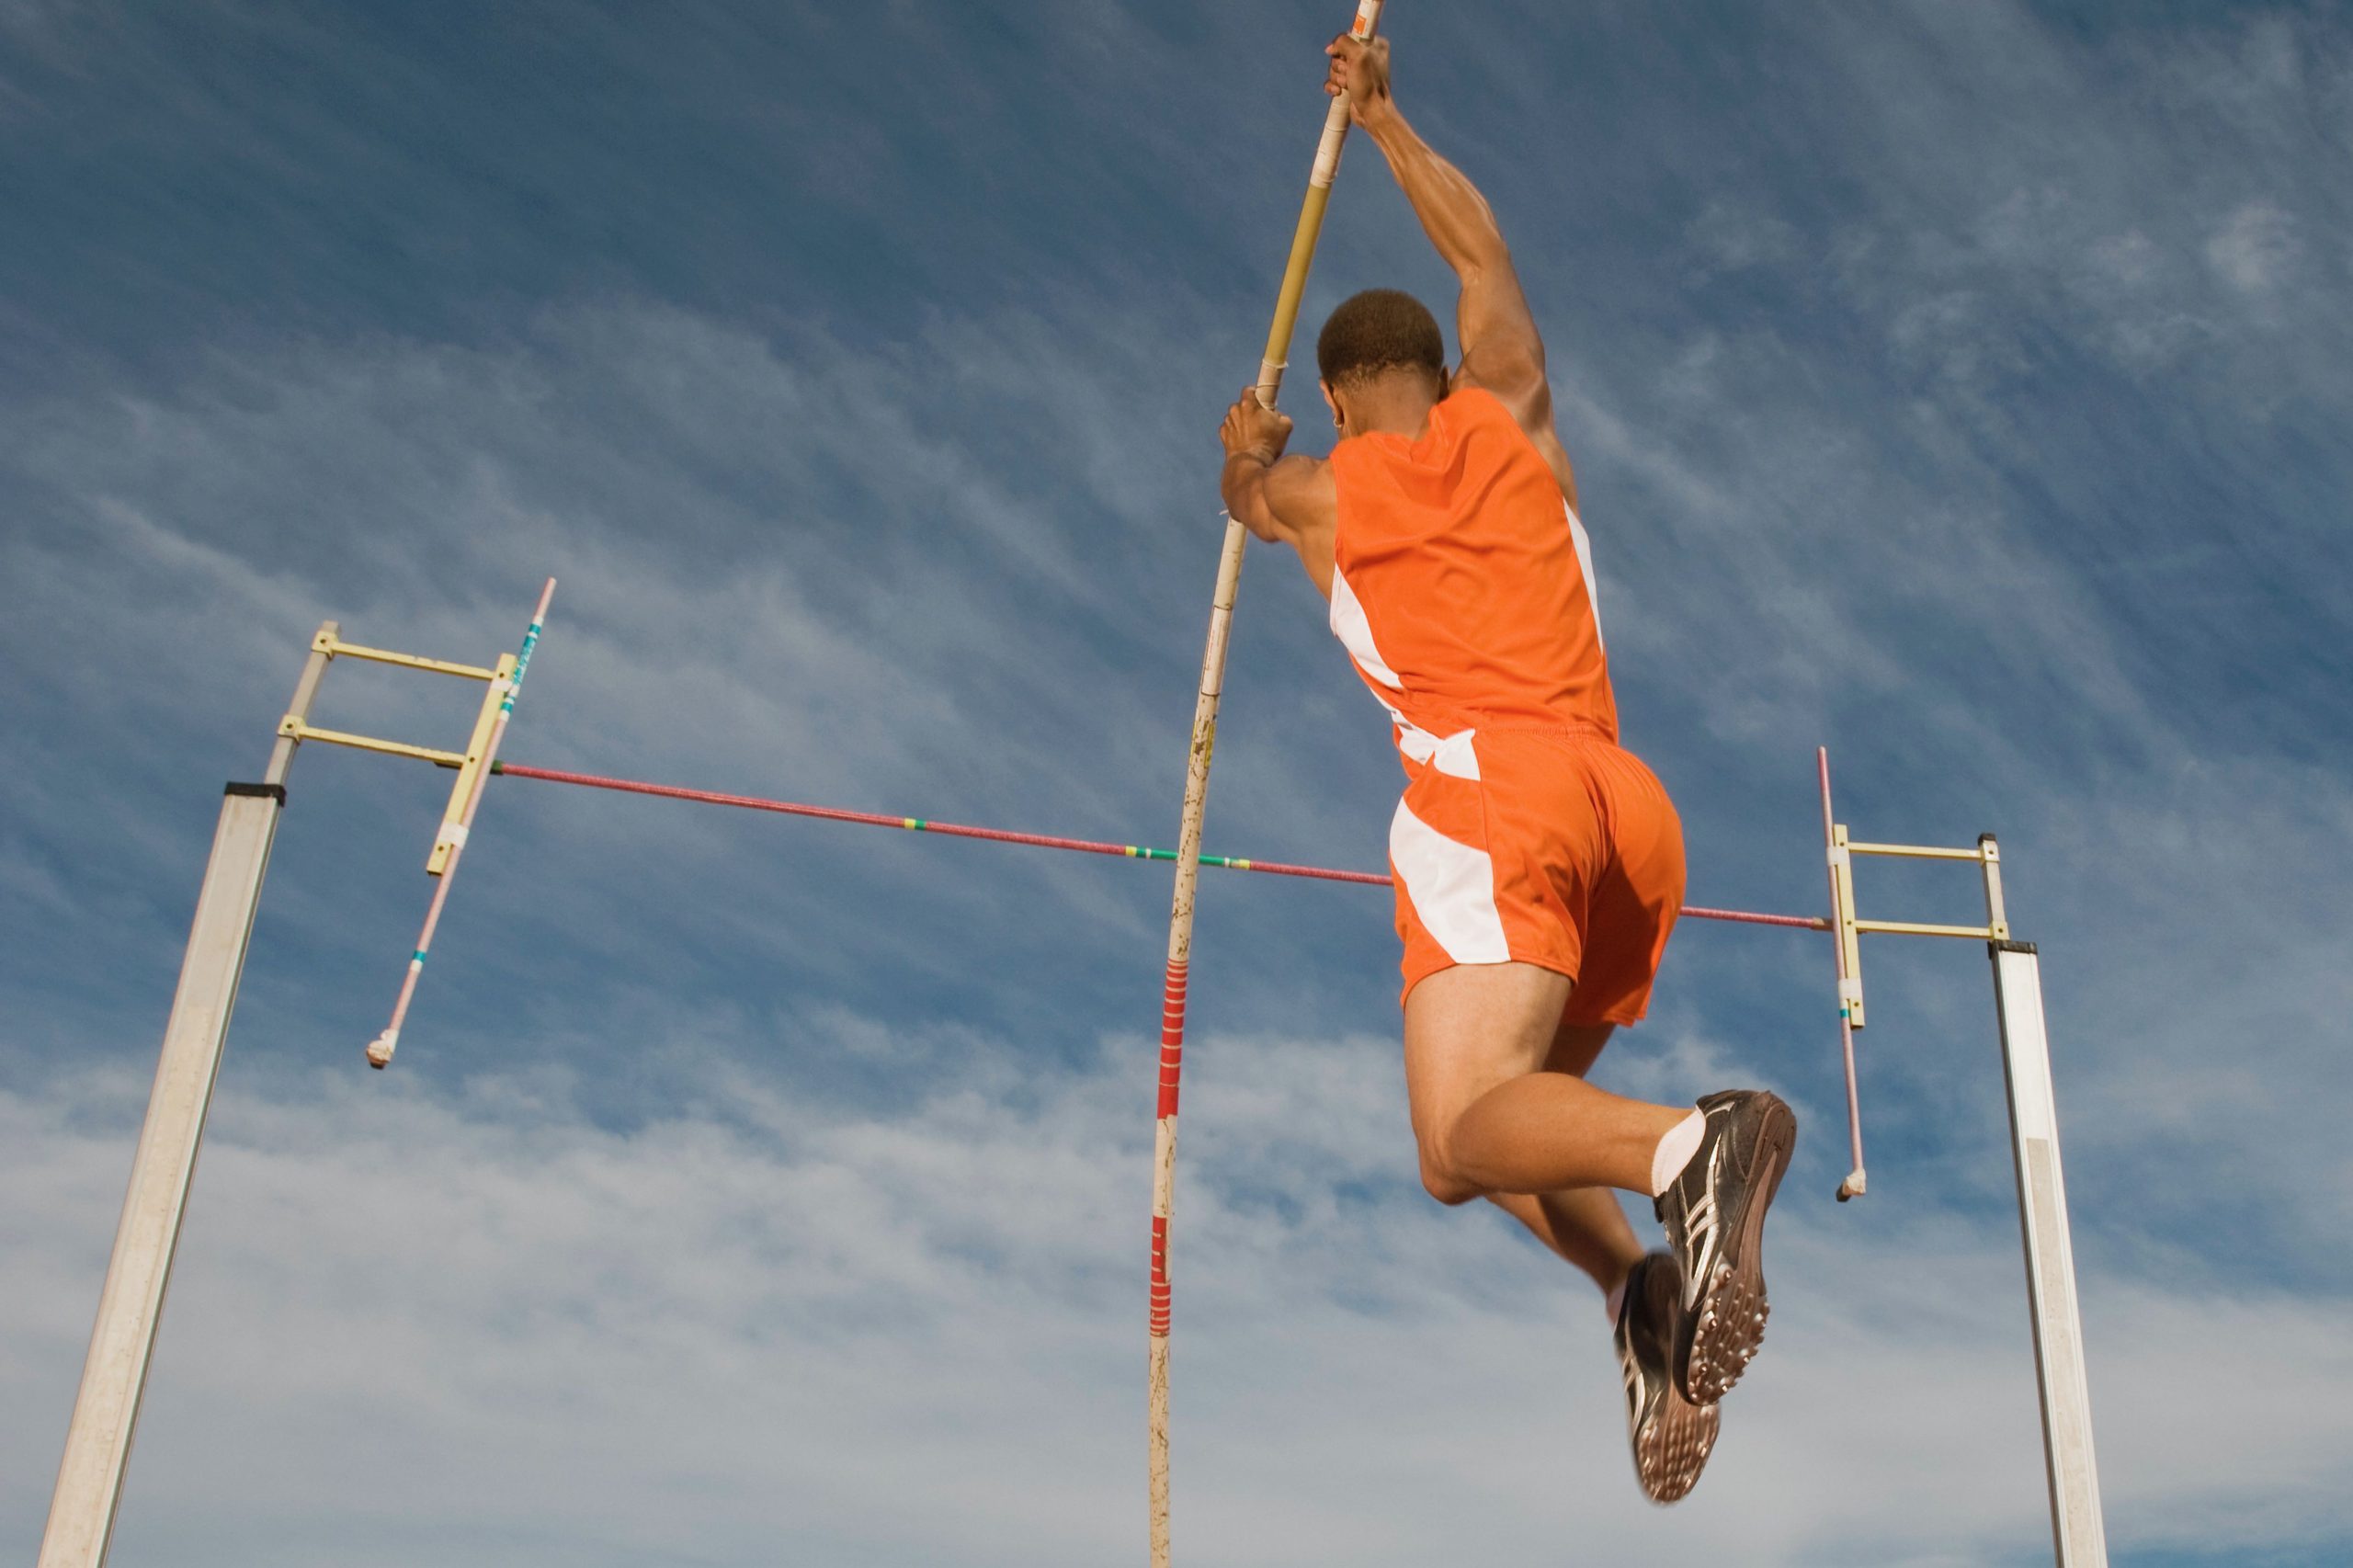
(1442, 1181)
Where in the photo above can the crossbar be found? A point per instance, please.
(1048, 841)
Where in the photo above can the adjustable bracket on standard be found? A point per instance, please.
(498, 679)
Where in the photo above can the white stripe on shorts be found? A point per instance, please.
(1453, 890)
(1454, 755)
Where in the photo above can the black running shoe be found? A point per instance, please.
(1672, 1437)
(1715, 1215)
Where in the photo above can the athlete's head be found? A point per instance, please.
(1377, 344)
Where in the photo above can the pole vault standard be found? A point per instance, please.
(89, 1482)
(130, 1304)
(1197, 793)
(2079, 1538)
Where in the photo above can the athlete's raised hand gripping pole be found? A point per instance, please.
(1197, 784)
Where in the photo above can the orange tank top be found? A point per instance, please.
(1462, 582)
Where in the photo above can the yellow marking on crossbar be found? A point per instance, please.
(335, 647)
(1915, 851)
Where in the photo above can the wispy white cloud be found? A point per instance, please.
(2254, 249)
(472, 1322)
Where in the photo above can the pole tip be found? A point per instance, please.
(1853, 1185)
(379, 1050)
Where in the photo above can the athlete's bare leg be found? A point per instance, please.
(1586, 1225)
(1583, 1224)
(1490, 1116)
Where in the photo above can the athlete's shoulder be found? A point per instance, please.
(1469, 400)
(1483, 411)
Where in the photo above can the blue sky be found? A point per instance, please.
(1962, 387)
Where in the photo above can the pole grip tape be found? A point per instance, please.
(1270, 383)
(1159, 1315)
(1172, 1035)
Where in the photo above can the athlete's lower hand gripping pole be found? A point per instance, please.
(379, 1050)
(1197, 787)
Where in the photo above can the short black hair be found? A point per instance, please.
(1379, 330)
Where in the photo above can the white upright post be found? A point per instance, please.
(2078, 1536)
(114, 1375)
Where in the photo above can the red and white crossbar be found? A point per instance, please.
(1043, 840)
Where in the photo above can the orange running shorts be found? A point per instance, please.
(1539, 846)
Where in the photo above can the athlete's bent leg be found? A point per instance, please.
(1488, 1115)
(1583, 1224)
(1586, 1225)
(1501, 1109)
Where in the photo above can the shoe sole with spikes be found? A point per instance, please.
(1671, 1437)
(1715, 1215)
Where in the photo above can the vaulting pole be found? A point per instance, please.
(1197, 789)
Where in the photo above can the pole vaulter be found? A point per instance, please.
(1539, 863)
(1197, 793)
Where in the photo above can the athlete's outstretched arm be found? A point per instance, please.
(1284, 500)
(1501, 349)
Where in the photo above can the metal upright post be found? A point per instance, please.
(114, 1376)
(2077, 1533)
